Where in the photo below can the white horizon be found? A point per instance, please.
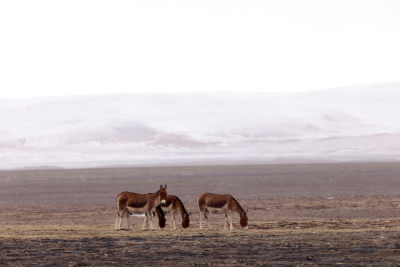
(336, 125)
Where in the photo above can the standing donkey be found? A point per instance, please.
(172, 205)
(128, 202)
(221, 204)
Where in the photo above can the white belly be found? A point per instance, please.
(137, 210)
(138, 214)
(217, 210)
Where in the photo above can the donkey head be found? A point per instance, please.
(244, 219)
(186, 220)
(161, 217)
(163, 193)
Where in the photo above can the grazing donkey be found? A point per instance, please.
(221, 204)
(172, 205)
(139, 203)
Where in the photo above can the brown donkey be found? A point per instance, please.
(139, 203)
(221, 204)
(172, 205)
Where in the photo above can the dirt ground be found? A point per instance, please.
(306, 214)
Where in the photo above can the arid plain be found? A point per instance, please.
(299, 214)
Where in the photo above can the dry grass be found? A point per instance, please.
(259, 228)
(353, 242)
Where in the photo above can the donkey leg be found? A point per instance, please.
(230, 219)
(120, 216)
(201, 219)
(124, 217)
(150, 218)
(117, 219)
(173, 222)
(128, 227)
(122, 223)
(145, 222)
(226, 221)
(172, 219)
(206, 213)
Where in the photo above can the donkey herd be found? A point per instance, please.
(160, 203)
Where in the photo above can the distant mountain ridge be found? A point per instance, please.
(346, 124)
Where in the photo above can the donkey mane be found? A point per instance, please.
(158, 191)
(237, 203)
(183, 207)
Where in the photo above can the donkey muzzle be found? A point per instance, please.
(163, 201)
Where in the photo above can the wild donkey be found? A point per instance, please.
(221, 204)
(139, 203)
(172, 205)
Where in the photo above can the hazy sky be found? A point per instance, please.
(84, 47)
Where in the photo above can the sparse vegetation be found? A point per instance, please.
(352, 242)
(44, 219)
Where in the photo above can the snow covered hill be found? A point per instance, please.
(347, 124)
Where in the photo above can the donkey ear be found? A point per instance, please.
(165, 186)
(160, 186)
